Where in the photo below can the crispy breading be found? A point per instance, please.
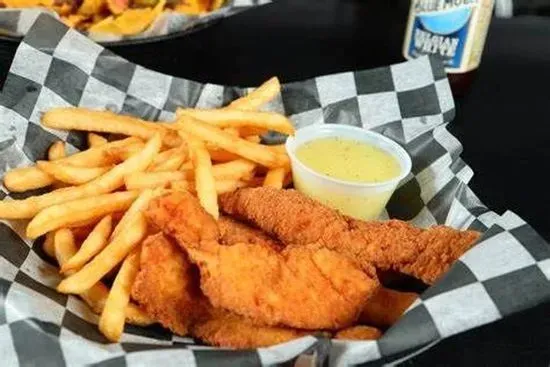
(307, 287)
(167, 285)
(294, 218)
(233, 231)
(386, 306)
(359, 332)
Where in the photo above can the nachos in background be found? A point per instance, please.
(120, 17)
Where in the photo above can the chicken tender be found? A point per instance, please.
(306, 287)
(386, 306)
(226, 329)
(359, 332)
(388, 245)
(232, 232)
(167, 285)
(168, 288)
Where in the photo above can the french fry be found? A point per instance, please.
(95, 140)
(110, 181)
(254, 138)
(107, 259)
(26, 178)
(237, 169)
(222, 186)
(258, 97)
(220, 155)
(79, 211)
(205, 183)
(150, 180)
(48, 246)
(97, 156)
(111, 321)
(170, 161)
(96, 296)
(246, 131)
(224, 118)
(120, 154)
(139, 205)
(74, 118)
(275, 177)
(30, 178)
(254, 152)
(232, 131)
(92, 245)
(71, 174)
(56, 151)
(63, 245)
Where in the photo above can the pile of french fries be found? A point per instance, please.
(93, 219)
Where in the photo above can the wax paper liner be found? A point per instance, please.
(15, 23)
(506, 272)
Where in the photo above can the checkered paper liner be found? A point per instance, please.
(16, 22)
(507, 271)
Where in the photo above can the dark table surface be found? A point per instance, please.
(502, 122)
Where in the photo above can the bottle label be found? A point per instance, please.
(453, 30)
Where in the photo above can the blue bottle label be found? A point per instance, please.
(453, 30)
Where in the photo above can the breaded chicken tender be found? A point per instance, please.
(294, 218)
(306, 287)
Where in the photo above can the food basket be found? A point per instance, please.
(506, 272)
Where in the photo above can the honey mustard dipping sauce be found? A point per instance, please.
(347, 168)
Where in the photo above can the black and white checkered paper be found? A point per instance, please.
(16, 22)
(506, 272)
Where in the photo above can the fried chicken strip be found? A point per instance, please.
(388, 245)
(168, 288)
(306, 287)
(359, 332)
(232, 232)
(167, 285)
(385, 307)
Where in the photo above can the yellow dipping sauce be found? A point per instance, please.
(348, 160)
(351, 161)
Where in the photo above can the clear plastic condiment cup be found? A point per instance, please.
(357, 199)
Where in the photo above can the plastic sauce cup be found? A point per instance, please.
(360, 200)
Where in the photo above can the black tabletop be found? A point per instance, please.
(501, 122)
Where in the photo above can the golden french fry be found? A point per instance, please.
(26, 178)
(254, 152)
(246, 131)
(74, 118)
(48, 246)
(120, 154)
(150, 180)
(187, 166)
(205, 183)
(111, 321)
(56, 151)
(258, 97)
(64, 245)
(220, 155)
(96, 296)
(95, 140)
(71, 174)
(79, 211)
(237, 169)
(232, 130)
(29, 178)
(139, 205)
(222, 186)
(237, 118)
(97, 156)
(275, 177)
(254, 138)
(107, 259)
(110, 181)
(93, 244)
(170, 160)
(279, 148)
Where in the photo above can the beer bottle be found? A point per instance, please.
(454, 31)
